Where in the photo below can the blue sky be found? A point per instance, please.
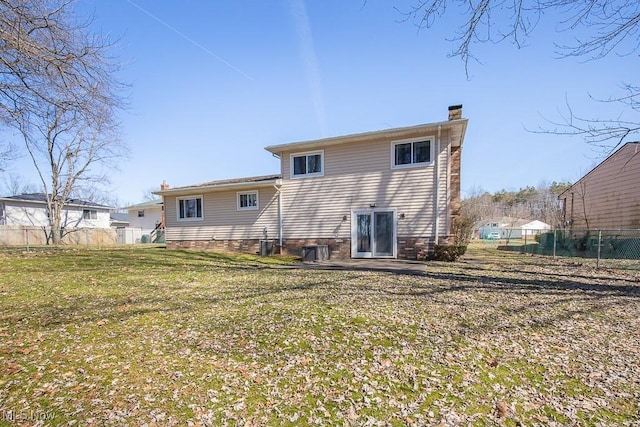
(214, 82)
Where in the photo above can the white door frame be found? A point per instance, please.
(354, 232)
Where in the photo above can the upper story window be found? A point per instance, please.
(411, 153)
(89, 214)
(141, 213)
(247, 200)
(307, 164)
(189, 208)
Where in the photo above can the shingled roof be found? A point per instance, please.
(41, 198)
(263, 180)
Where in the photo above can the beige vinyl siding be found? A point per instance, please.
(610, 193)
(221, 218)
(356, 176)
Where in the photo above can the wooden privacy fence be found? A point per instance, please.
(26, 236)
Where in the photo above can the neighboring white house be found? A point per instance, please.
(146, 223)
(146, 216)
(391, 193)
(31, 210)
(510, 228)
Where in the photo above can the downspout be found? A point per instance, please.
(437, 191)
(447, 191)
(279, 193)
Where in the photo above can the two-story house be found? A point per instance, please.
(383, 194)
(31, 210)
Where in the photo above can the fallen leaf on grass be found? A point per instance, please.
(305, 361)
(502, 409)
(12, 368)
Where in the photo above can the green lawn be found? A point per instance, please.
(135, 336)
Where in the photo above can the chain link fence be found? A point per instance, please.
(608, 248)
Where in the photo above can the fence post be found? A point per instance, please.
(555, 239)
(525, 241)
(26, 237)
(599, 246)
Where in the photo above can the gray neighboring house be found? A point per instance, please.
(119, 219)
(385, 194)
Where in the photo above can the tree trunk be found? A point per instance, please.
(56, 224)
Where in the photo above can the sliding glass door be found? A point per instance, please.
(373, 234)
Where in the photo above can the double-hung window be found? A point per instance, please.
(307, 164)
(89, 214)
(247, 200)
(190, 208)
(411, 153)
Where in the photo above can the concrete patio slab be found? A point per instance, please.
(395, 266)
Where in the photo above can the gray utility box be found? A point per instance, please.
(266, 247)
(315, 253)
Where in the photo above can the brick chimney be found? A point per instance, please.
(164, 186)
(455, 112)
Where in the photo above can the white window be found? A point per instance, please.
(89, 214)
(307, 164)
(410, 153)
(247, 200)
(189, 208)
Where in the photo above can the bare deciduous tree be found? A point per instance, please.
(597, 28)
(7, 153)
(539, 203)
(12, 185)
(57, 88)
